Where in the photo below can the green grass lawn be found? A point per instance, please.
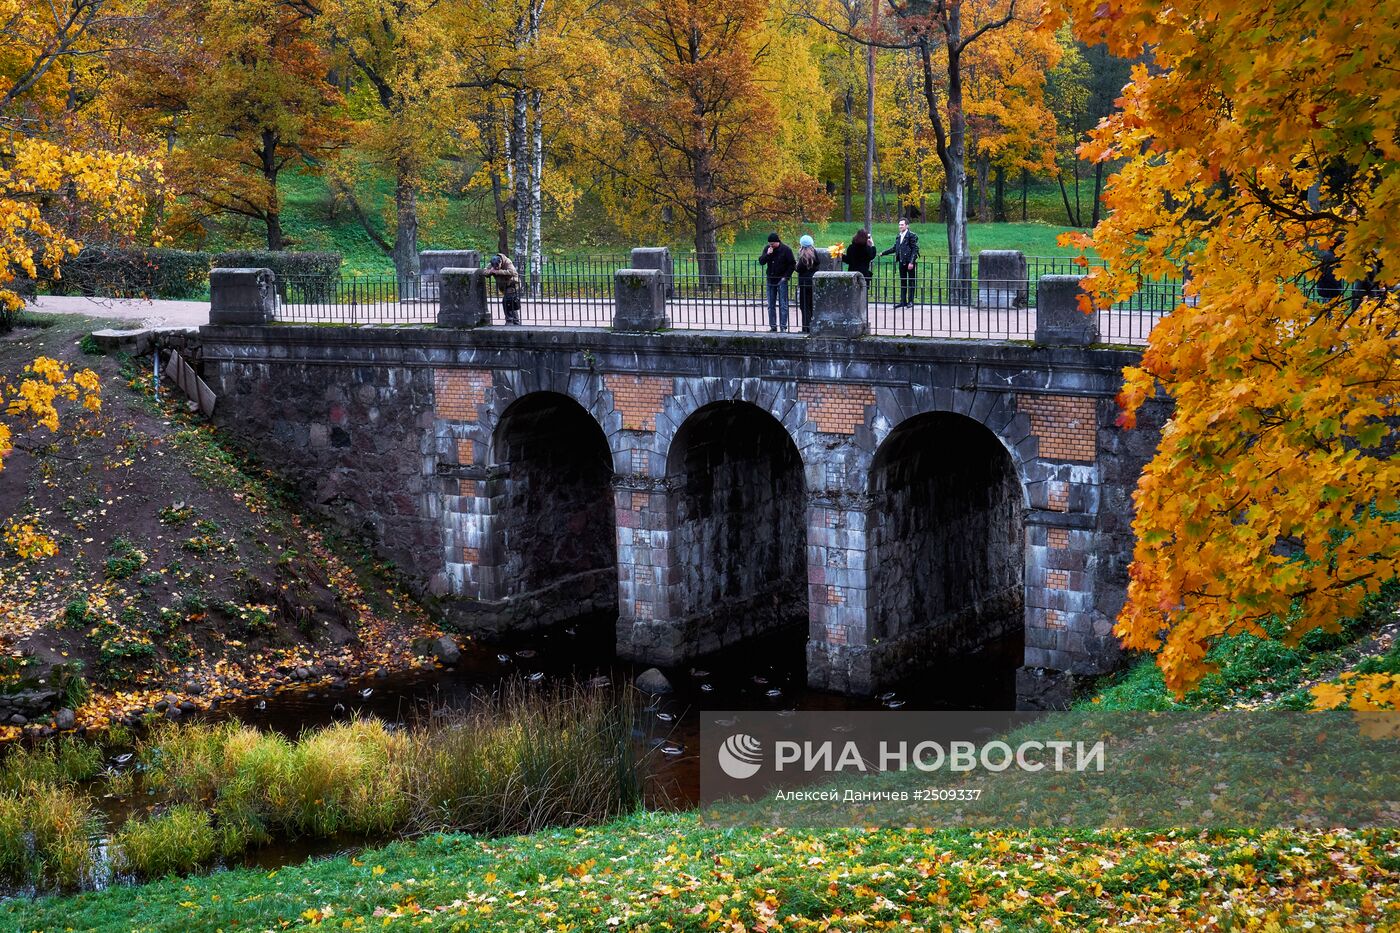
(312, 221)
(654, 872)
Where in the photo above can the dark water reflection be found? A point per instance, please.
(767, 673)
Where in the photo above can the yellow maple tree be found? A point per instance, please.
(1263, 164)
(59, 177)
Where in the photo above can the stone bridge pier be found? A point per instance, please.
(905, 501)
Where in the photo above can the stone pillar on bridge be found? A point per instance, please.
(640, 300)
(1002, 280)
(462, 298)
(242, 296)
(838, 593)
(838, 305)
(1058, 320)
(432, 262)
(658, 258)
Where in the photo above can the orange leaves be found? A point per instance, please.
(1256, 170)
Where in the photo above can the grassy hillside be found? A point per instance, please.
(183, 574)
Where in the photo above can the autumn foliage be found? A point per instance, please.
(1263, 163)
(32, 400)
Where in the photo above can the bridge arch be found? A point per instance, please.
(945, 540)
(726, 556)
(551, 469)
(738, 507)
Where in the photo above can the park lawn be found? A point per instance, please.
(665, 871)
(1032, 238)
(311, 224)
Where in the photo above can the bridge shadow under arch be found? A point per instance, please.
(946, 544)
(738, 524)
(553, 521)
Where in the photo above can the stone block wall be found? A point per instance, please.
(701, 528)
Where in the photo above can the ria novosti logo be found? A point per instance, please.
(741, 756)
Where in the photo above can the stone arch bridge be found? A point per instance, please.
(909, 499)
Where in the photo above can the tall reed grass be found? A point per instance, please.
(516, 761)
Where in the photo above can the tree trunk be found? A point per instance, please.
(999, 209)
(706, 230)
(488, 128)
(983, 166)
(1070, 218)
(520, 177)
(1025, 191)
(870, 122)
(406, 229)
(846, 204)
(959, 256)
(1098, 190)
(272, 213)
(536, 196)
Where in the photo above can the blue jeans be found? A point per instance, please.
(778, 304)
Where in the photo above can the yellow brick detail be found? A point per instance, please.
(458, 392)
(639, 398)
(1066, 425)
(836, 408)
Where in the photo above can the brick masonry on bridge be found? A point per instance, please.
(736, 475)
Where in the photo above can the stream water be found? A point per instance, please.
(767, 673)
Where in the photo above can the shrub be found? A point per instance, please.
(45, 836)
(315, 274)
(177, 840)
(527, 759)
(59, 763)
(126, 559)
(134, 273)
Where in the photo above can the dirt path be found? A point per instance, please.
(150, 313)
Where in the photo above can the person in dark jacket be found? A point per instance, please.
(860, 254)
(906, 255)
(777, 256)
(808, 264)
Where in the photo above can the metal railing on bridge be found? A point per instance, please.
(730, 293)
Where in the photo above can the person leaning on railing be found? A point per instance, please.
(508, 282)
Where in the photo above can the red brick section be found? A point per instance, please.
(1055, 619)
(470, 555)
(1058, 538)
(1059, 497)
(639, 398)
(466, 453)
(643, 610)
(640, 501)
(1057, 579)
(837, 408)
(457, 393)
(834, 597)
(466, 487)
(1066, 425)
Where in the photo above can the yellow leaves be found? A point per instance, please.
(1270, 491)
(32, 401)
(1360, 692)
(27, 541)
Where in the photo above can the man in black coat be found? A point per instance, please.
(906, 254)
(777, 256)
